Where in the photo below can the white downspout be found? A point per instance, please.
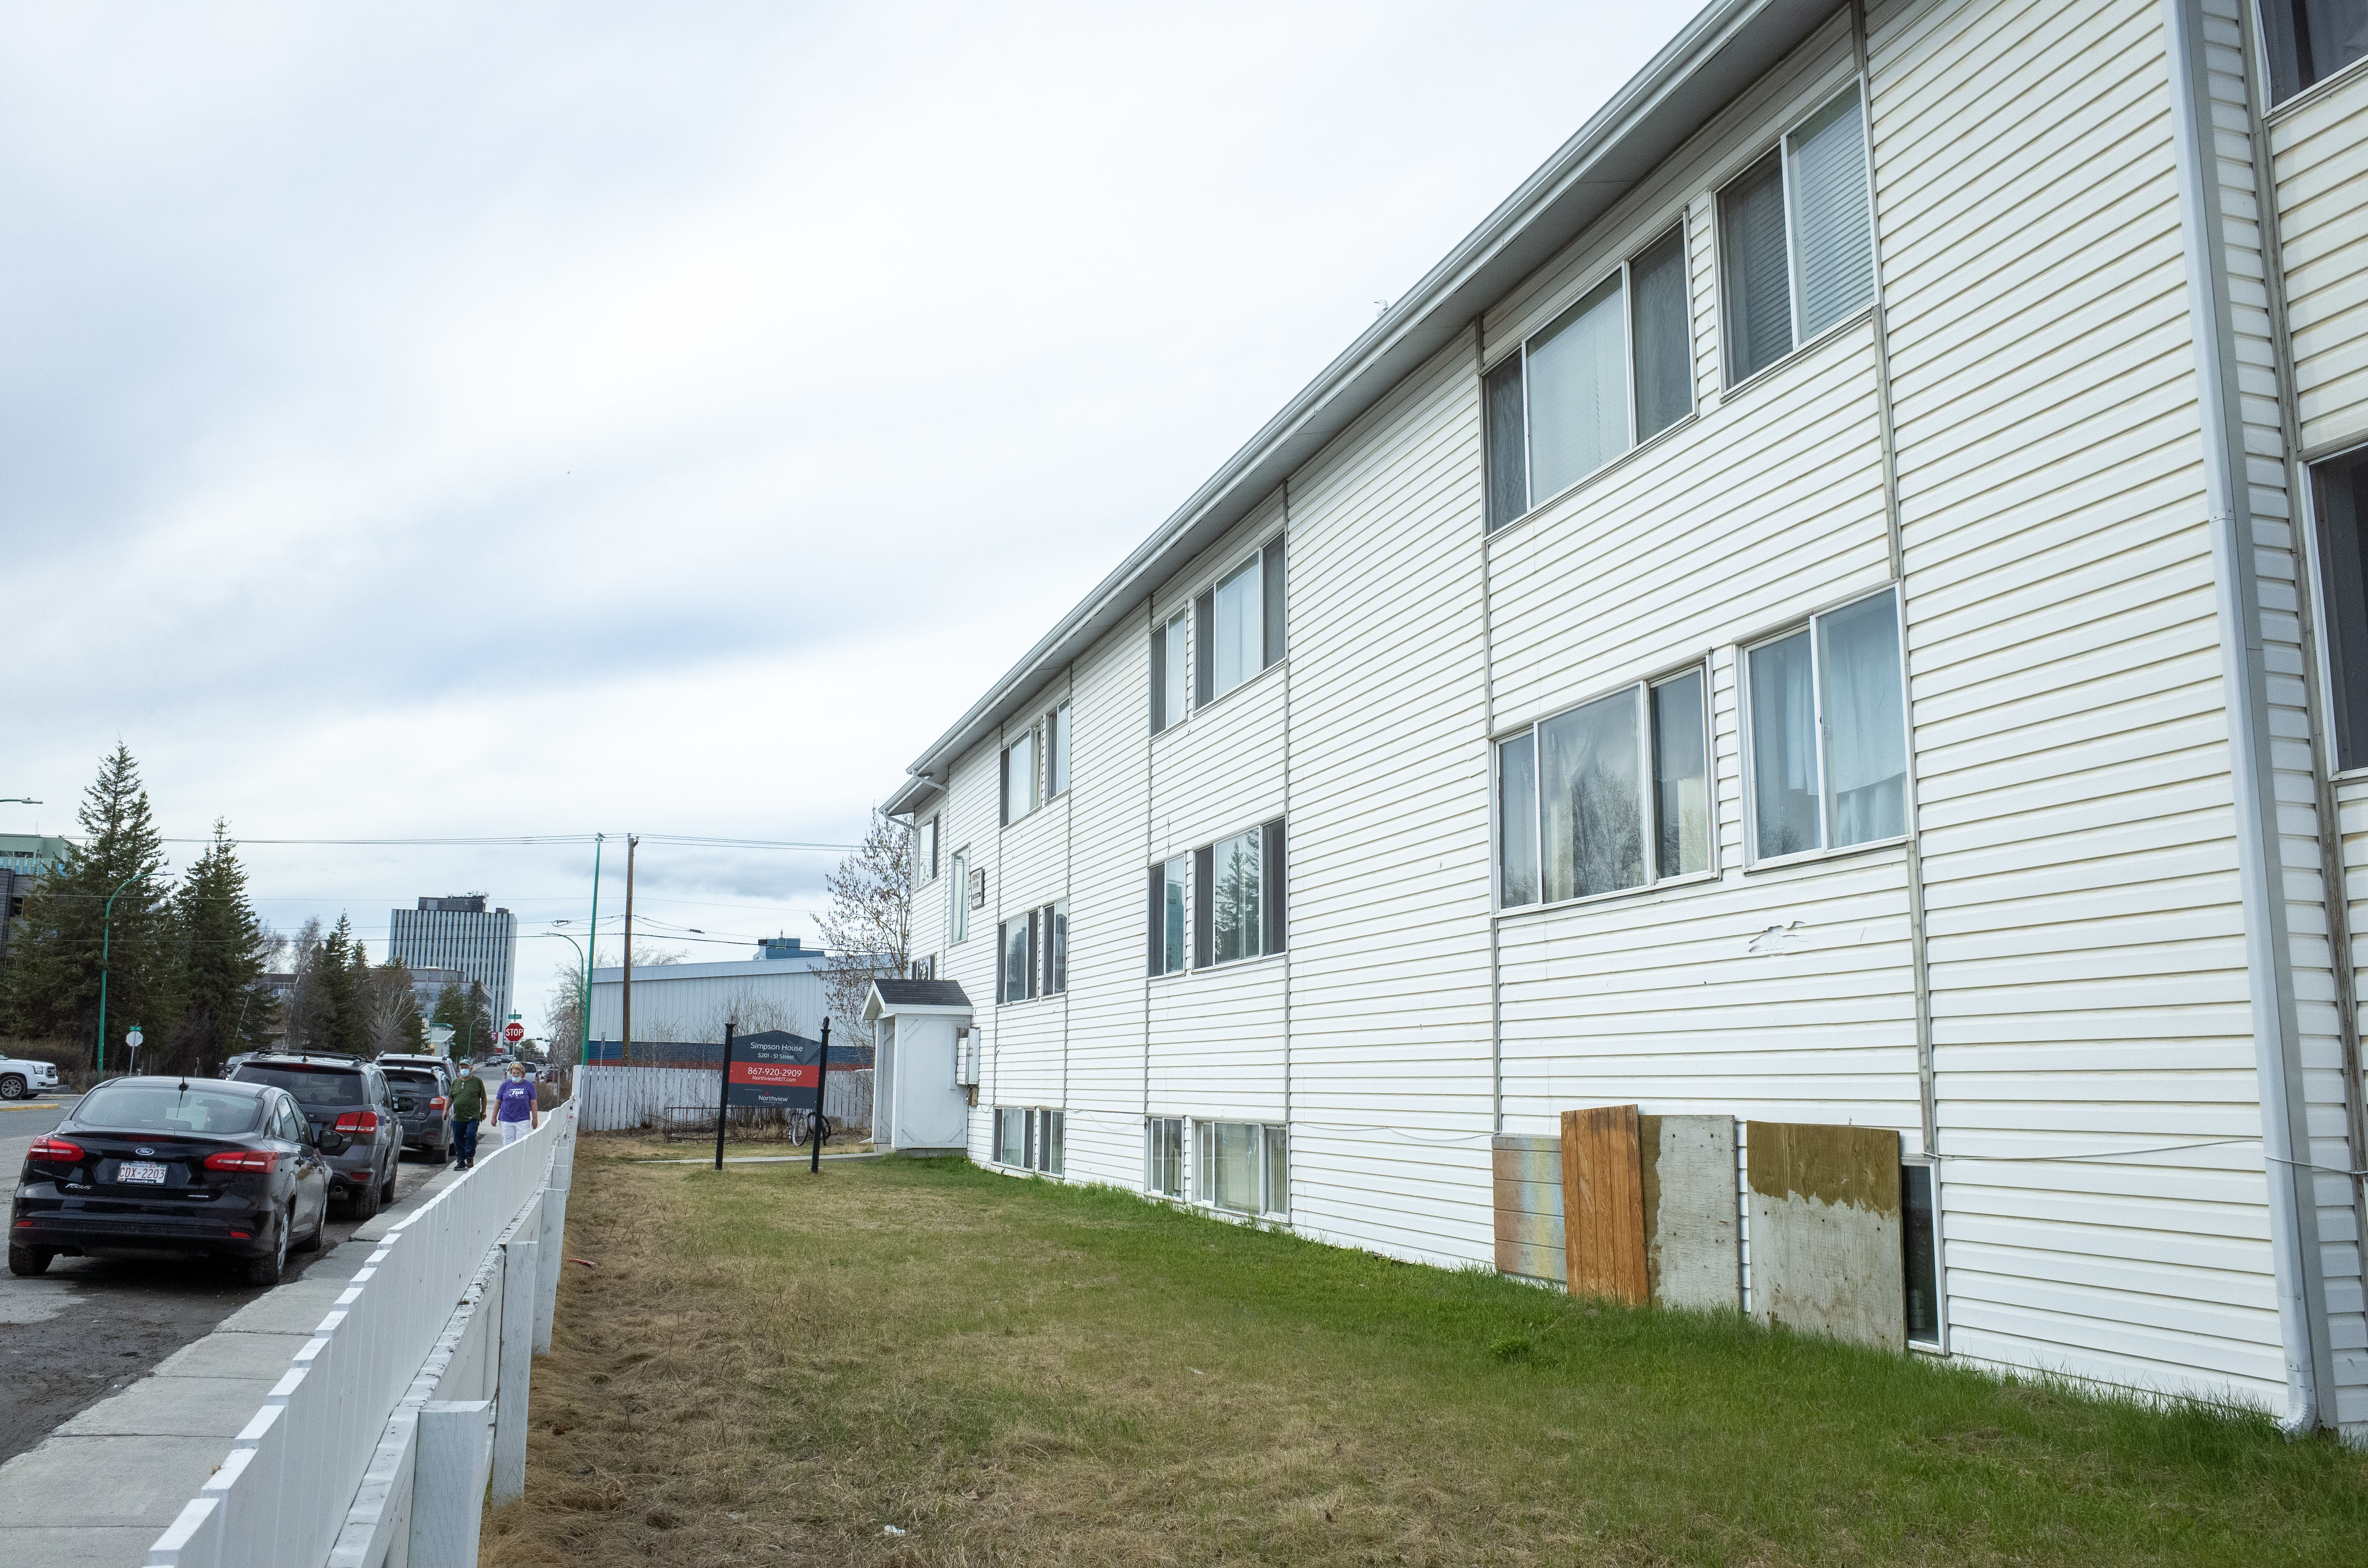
(2277, 1047)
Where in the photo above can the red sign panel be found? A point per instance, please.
(778, 1074)
(514, 1032)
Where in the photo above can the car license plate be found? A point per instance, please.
(141, 1170)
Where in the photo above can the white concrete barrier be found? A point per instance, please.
(441, 1314)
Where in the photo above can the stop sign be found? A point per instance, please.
(514, 1032)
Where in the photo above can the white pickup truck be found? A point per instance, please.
(20, 1077)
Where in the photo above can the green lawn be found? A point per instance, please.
(767, 1363)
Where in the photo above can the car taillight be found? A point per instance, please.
(56, 1150)
(439, 1103)
(242, 1160)
(358, 1121)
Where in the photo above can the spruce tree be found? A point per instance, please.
(51, 988)
(343, 1031)
(221, 960)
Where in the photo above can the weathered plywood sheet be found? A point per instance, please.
(1603, 1204)
(1527, 1173)
(1692, 1247)
(1826, 1230)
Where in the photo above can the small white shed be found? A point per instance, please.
(927, 1065)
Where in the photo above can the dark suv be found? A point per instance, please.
(340, 1094)
(423, 1099)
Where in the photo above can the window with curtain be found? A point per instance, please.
(1838, 681)
(1611, 795)
(1797, 238)
(1239, 624)
(958, 902)
(1021, 781)
(2311, 40)
(1243, 1166)
(1613, 368)
(1162, 1156)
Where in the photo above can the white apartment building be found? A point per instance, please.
(1841, 604)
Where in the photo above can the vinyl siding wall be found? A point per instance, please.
(2082, 936)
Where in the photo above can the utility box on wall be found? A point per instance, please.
(919, 1104)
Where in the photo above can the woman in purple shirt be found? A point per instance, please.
(515, 1111)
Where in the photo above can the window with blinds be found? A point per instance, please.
(1797, 239)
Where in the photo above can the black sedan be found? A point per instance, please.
(171, 1167)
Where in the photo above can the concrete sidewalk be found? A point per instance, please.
(104, 1485)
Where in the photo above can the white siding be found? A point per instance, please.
(2320, 149)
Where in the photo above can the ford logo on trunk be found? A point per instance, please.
(144, 1151)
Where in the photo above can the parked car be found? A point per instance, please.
(20, 1076)
(423, 1100)
(168, 1168)
(444, 1065)
(341, 1095)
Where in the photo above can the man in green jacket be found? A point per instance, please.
(468, 1109)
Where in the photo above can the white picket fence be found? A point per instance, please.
(336, 1466)
(616, 1098)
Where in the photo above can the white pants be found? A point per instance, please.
(513, 1131)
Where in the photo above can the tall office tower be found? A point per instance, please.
(459, 932)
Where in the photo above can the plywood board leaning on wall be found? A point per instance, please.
(1692, 1253)
(1603, 1204)
(1528, 1172)
(1826, 1230)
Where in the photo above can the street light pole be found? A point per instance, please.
(583, 1048)
(106, 941)
(582, 998)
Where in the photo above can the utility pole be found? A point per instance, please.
(626, 1045)
(592, 940)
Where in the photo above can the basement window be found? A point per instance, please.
(1162, 1156)
(1919, 1243)
(1243, 1167)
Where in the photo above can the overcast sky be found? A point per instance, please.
(453, 420)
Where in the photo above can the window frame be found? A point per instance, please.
(1273, 892)
(1626, 272)
(1051, 958)
(958, 907)
(2348, 752)
(1168, 1138)
(1171, 670)
(1057, 740)
(1270, 606)
(1728, 380)
(925, 868)
(1157, 959)
(2280, 52)
(1641, 689)
(1032, 737)
(1202, 1178)
(1747, 776)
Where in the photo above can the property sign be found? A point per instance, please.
(776, 1068)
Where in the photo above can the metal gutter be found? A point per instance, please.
(2269, 969)
(1726, 47)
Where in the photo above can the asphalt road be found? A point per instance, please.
(91, 1325)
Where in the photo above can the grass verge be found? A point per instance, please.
(766, 1367)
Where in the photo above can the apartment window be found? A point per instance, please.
(1167, 913)
(1828, 711)
(1015, 940)
(1022, 784)
(2340, 489)
(1239, 913)
(1612, 794)
(1056, 751)
(1046, 1135)
(1167, 673)
(1243, 1167)
(1240, 623)
(1011, 1135)
(1162, 1156)
(1054, 978)
(958, 907)
(1921, 1254)
(1797, 239)
(925, 849)
(1610, 371)
(922, 967)
(2311, 40)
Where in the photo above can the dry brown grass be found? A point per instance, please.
(770, 1369)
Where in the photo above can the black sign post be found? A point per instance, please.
(723, 1098)
(822, 1094)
